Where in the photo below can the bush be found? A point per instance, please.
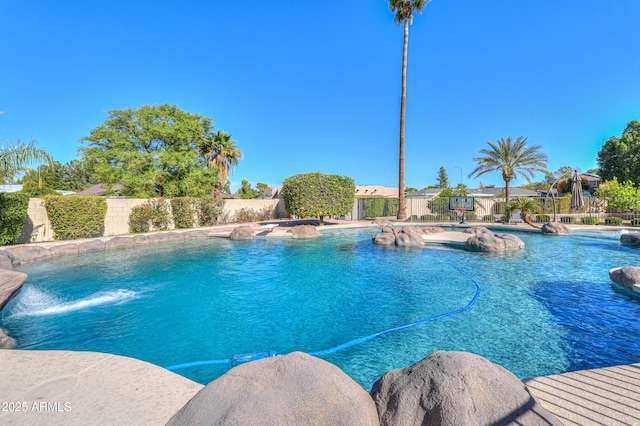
(250, 215)
(185, 211)
(499, 207)
(443, 218)
(74, 217)
(151, 216)
(472, 216)
(590, 220)
(488, 218)
(568, 219)
(13, 212)
(427, 218)
(635, 222)
(210, 210)
(613, 221)
(413, 218)
(318, 195)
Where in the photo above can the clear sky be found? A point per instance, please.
(315, 86)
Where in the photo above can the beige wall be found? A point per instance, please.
(116, 221)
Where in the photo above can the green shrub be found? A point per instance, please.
(543, 218)
(613, 221)
(210, 210)
(428, 218)
(246, 215)
(318, 195)
(439, 205)
(568, 219)
(443, 217)
(185, 211)
(74, 217)
(151, 216)
(380, 206)
(488, 218)
(413, 218)
(499, 207)
(472, 216)
(13, 212)
(590, 220)
(635, 222)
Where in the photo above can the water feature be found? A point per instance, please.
(548, 309)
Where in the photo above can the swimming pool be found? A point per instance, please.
(548, 309)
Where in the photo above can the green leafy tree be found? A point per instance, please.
(620, 157)
(152, 151)
(621, 197)
(222, 154)
(318, 195)
(403, 10)
(410, 189)
(512, 159)
(15, 157)
(264, 191)
(52, 177)
(246, 192)
(443, 179)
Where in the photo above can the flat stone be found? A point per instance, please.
(89, 388)
(295, 389)
(89, 246)
(119, 242)
(477, 230)
(10, 284)
(64, 249)
(28, 253)
(456, 388)
(428, 230)
(140, 240)
(196, 234)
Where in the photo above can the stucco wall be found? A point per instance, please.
(116, 221)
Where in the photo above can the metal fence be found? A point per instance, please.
(614, 211)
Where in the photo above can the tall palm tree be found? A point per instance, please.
(15, 157)
(222, 154)
(512, 159)
(404, 15)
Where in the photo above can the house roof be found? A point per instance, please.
(98, 190)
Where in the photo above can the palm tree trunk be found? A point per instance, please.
(507, 190)
(402, 214)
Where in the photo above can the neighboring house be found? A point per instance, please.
(494, 191)
(594, 181)
(424, 193)
(98, 190)
(375, 191)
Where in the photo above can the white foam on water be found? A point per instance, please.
(35, 302)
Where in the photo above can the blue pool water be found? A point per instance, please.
(548, 309)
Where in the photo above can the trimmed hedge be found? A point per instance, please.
(210, 210)
(488, 218)
(152, 216)
(75, 217)
(185, 211)
(428, 218)
(568, 219)
(380, 206)
(590, 220)
(613, 221)
(13, 212)
(318, 195)
(544, 218)
(635, 222)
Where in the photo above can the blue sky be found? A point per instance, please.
(315, 86)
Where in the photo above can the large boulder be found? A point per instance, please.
(428, 230)
(284, 390)
(6, 342)
(10, 284)
(384, 238)
(304, 232)
(555, 228)
(242, 233)
(631, 239)
(8, 261)
(626, 276)
(409, 236)
(488, 242)
(456, 388)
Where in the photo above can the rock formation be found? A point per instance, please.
(241, 233)
(555, 228)
(626, 276)
(456, 388)
(631, 239)
(488, 242)
(304, 232)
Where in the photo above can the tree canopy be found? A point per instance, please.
(15, 157)
(153, 151)
(49, 178)
(318, 195)
(620, 157)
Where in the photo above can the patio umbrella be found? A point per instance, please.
(577, 201)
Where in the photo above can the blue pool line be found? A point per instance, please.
(242, 358)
